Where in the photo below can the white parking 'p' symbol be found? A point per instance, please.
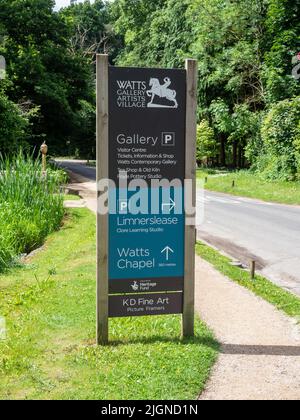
(168, 139)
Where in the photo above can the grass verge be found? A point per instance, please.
(71, 197)
(49, 352)
(283, 300)
(31, 206)
(250, 185)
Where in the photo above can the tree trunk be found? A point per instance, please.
(240, 157)
(222, 150)
(234, 154)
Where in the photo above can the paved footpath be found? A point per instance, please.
(260, 353)
(260, 346)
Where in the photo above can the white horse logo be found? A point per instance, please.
(162, 91)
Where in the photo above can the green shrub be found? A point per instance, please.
(25, 236)
(6, 250)
(13, 125)
(207, 148)
(31, 206)
(280, 133)
(297, 147)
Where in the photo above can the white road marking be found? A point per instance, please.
(210, 198)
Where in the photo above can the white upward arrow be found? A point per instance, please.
(167, 250)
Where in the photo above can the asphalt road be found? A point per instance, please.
(245, 229)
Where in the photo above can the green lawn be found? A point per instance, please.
(283, 300)
(250, 185)
(50, 351)
(71, 197)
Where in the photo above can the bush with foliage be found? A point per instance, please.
(31, 206)
(207, 148)
(280, 135)
(13, 125)
(297, 147)
(282, 27)
(48, 69)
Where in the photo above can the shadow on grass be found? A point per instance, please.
(71, 215)
(199, 341)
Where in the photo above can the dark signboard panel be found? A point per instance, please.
(147, 118)
(145, 304)
(147, 123)
(146, 285)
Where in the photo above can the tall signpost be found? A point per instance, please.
(146, 148)
(191, 67)
(102, 220)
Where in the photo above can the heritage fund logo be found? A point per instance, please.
(139, 94)
(135, 286)
(143, 286)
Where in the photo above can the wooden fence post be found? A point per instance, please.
(252, 269)
(44, 151)
(102, 220)
(190, 173)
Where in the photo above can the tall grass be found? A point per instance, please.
(31, 206)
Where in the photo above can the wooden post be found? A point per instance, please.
(190, 173)
(102, 220)
(44, 151)
(252, 269)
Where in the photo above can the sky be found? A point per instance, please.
(63, 3)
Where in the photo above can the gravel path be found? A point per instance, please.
(260, 354)
(86, 189)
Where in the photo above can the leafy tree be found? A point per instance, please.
(155, 32)
(90, 29)
(283, 40)
(84, 138)
(297, 148)
(13, 126)
(227, 39)
(221, 120)
(207, 148)
(132, 20)
(245, 138)
(280, 134)
(42, 70)
(169, 34)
